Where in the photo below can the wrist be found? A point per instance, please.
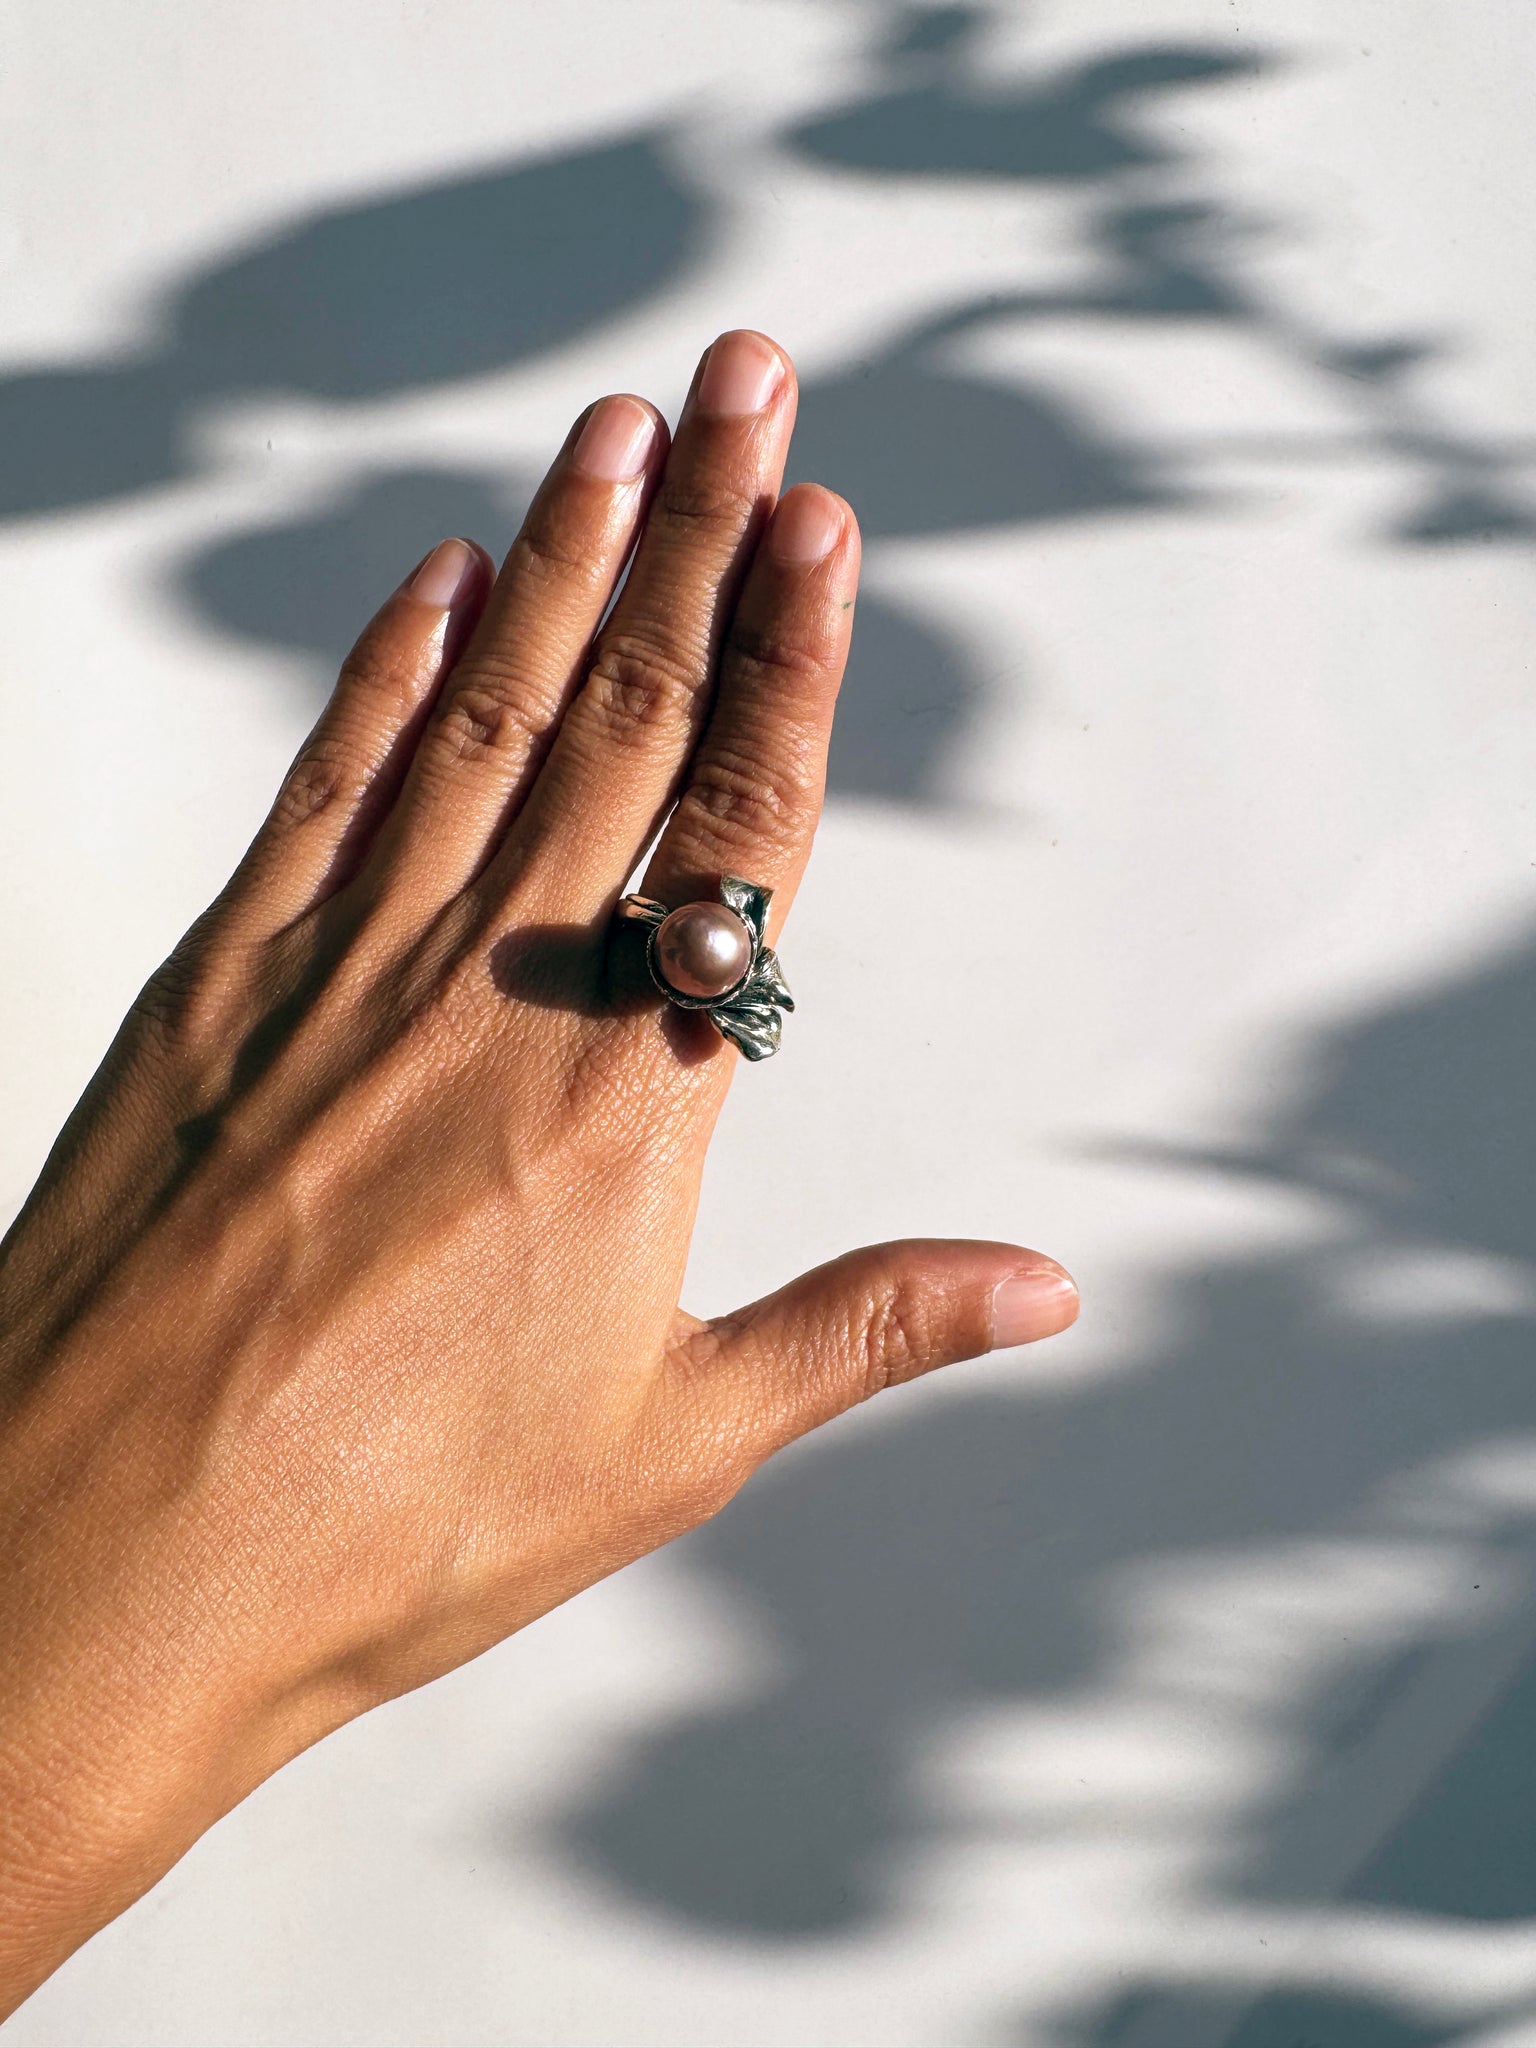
(133, 1708)
(103, 1788)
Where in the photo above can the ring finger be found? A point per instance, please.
(754, 788)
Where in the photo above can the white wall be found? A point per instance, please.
(1170, 1686)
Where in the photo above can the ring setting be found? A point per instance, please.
(713, 956)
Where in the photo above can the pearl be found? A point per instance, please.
(703, 949)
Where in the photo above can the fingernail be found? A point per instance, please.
(1035, 1303)
(741, 374)
(806, 526)
(446, 575)
(615, 444)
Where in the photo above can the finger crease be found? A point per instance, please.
(746, 801)
(633, 691)
(482, 719)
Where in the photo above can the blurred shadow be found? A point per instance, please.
(906, 704)
(1197, 2017)
(1467, 1848)
(385, 297)
(983, 456)
(406, 293)
(916, 1572)
(970, 453)
(360, 303)
(598, 970)
(445, 283)
(308, 585)
(912, 1574)
(974, 453)
(552, 966)
(943, 113)
(934, 107)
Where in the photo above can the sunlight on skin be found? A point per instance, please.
(341, 1336)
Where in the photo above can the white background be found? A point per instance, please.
(1165, 1687)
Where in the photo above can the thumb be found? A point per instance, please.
(876, 1317)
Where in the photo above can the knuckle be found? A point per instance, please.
(773, 656)
(543, 554)
(314, 783)
(704, 504)
(897, 1337)
(380, 673)
(187, 1001)
(487, 712)
(637, 685)
(372, 694)
(737, 800)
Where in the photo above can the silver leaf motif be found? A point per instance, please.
(749, 902)
(755, 1032)
(768, 976)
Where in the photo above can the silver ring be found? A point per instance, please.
(695, 946)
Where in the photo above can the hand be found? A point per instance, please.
(341, 1336)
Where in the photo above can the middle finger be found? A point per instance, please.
(616, 761)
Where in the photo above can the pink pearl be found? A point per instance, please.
(703, 949)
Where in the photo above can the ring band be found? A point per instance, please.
(712, 956)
